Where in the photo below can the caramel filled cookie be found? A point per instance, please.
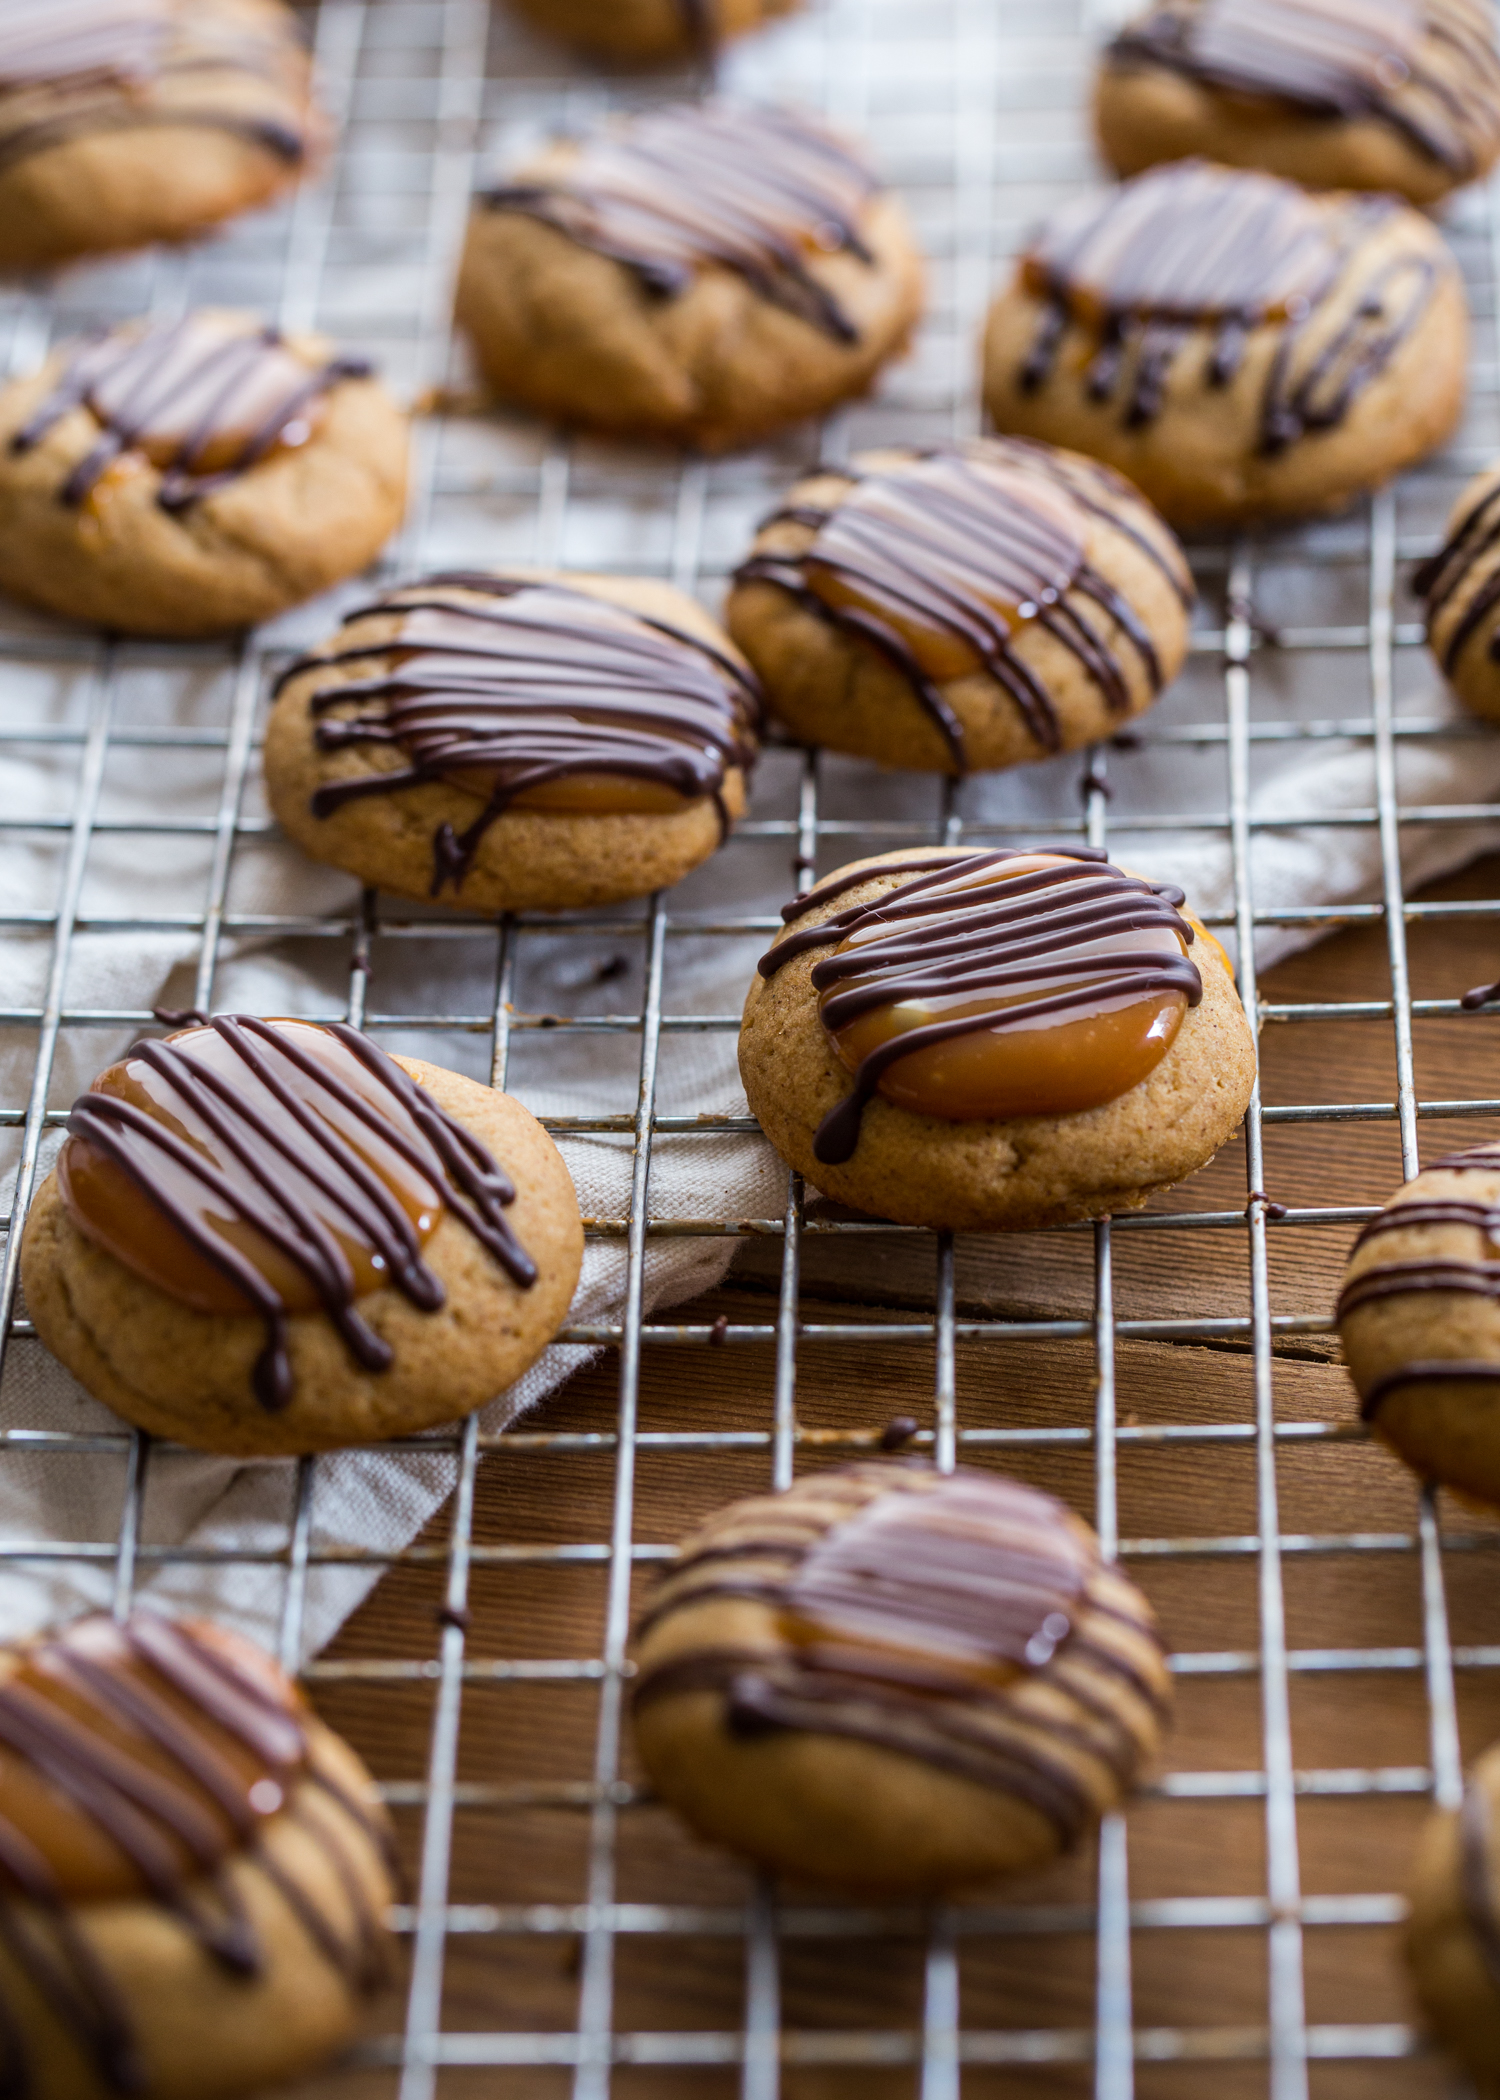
(1453, 1932)
(1397, 95)
(128, 121)
(972, 606)
(520, 742)
(268, 1236)
(994, 1040)
(700, 273)
(1419, 1316)
(197, 1870)
(1236, 347)
(896, 1680)
(195, 476)
(1461, 586)
(650, 32)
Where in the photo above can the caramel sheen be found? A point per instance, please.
(953, 554)
(1054, 1065)
(116, 1212)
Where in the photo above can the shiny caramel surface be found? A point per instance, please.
(952, 553)
(130, 1218)
(1103, 1044)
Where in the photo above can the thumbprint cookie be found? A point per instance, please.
(650, 32)
(897, 1681)
(196, 476)
(1453, 1929)
(1399, 95)
(516, 742)
(269, 1236)
(994, 1040)
(1237, 347)
(129, 121)
(703, 274)
(1461, 587)
(1419, 1316)
(971, 606)
(197, 1870)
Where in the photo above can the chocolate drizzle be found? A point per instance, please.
(1438, 580)
(81, 67)
(504, 685)
(205, 398)
(964, 928)
(1400, 1279)
(759, 191)
(910, 1604)
(280, 1147)
(963, 546)
(148, 1757)
(1188, 247)
(1426, 68)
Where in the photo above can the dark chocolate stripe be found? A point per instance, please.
(756, 190)
(539, 683)
(474, 1187)
(1336, 59)
(999, 934)
(1188, 246)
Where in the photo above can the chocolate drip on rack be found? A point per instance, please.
(268, 1148)
(1438, 579)
(205, 398)
(1189, 246)
(907, 1609)
(756, 190)
(535, 683)
(145, 1757)
(1338, 58)
(87, 66)
(1400, 1279)
(966, 545)
(968, 930)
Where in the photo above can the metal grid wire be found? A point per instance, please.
(975, 104)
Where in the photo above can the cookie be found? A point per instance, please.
(516, 742)
(994, 1040)
(1453, 1931)
(650, 32)
(1419, 1316)
(128, 121)
(1400, 95)
(1238, 348)
(970, 606)
(897, 1681)
(700, 273)
(197, 1870)
(1461, 587)
(193, 477)
(269, 1236)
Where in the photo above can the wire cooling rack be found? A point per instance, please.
(975, 106)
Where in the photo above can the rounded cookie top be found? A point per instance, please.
(471, 697)
(647, 31)
(1452, 1939)
(118, 79)
(947, 565)
(178, 475)
(1005, 1039)
(1460, 585)
(1419, 1317)
(956, 1624)
(1232, 343)
(756, 270)
(153, 1762)
(1263, 83)
(279, 1167)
